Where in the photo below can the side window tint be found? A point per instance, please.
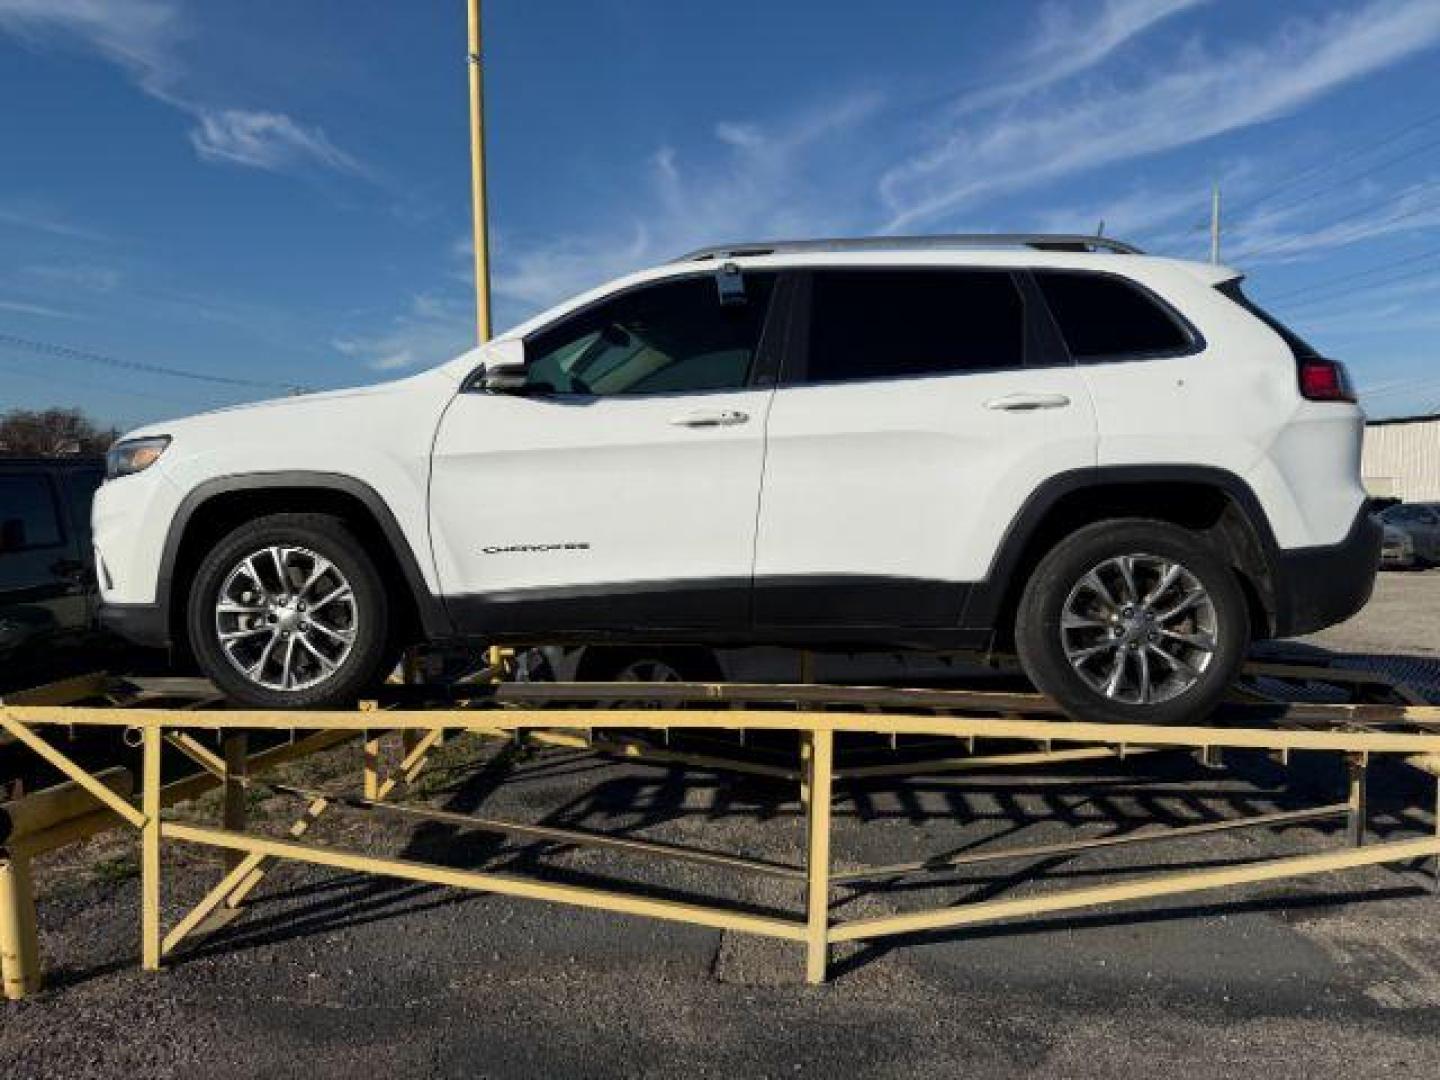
(877, 324)
(1101, 317)
(28, 517)
(674, 337)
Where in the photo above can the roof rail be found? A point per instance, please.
(1037, 241)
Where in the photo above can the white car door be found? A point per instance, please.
(920, 411)
(618, 490)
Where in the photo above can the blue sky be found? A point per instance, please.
(276, 192)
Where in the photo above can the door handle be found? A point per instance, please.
(1027, 402)
(711, 418)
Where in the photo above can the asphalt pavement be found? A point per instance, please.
(331, 974)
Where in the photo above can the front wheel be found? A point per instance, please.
(1133, 621)
(288, 612)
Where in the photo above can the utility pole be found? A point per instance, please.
(478, 199)
(1215, 222)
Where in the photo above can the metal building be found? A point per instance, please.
(1402, 458)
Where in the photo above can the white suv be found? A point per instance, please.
(1113, 464)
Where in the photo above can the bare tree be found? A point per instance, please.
(52, 433)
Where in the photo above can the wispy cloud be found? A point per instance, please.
(20, 307)
(91, 278)
(1068, 42)
(432, 329)
(1284, 235)
(266, 141)
(1195, 96)
(35, 216)
(145, 38)
(1165, 217)
(752, 181)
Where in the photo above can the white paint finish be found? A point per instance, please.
(1234, 406)
(129, 519)
(911, 477)
(655, 500)
(378, 435)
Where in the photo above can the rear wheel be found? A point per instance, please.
(288, 611)
(1133, 621)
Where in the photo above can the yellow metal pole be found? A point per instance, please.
(150, 851)
(1359, 767)
(817, 864)
(19, 943)
(478, 192)
(371, 758)
(232, 814)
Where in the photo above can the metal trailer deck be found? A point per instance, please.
(979, 730)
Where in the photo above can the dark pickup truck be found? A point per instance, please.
(47, 579)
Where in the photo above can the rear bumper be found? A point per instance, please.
(1317, 587)
(140, 624)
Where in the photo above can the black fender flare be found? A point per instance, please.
(434, 618)
(985, 604)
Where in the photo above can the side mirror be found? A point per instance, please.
(504, 371)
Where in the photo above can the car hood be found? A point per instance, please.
(323, 404)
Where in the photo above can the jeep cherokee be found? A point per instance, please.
(1114, 464)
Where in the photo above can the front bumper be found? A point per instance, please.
(1316, 587)
(147, 625)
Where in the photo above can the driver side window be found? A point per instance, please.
(673, 337)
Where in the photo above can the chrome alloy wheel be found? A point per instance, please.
(1140, 629)
(286, 618)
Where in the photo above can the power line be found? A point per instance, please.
(1344, 159)
(1300, 305)
(1338, 288)
(1345, 279)
(1414, 152)
(46, 348)
(86, 384)
(1270, 249)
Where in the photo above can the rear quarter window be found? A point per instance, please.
(1105, 317)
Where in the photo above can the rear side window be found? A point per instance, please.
(29, 516)
(1302, 349)
(886, 324)
(1103, 317)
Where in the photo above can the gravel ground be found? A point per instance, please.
(331, 974)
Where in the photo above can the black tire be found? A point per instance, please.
(358, 670)
(1043, 647)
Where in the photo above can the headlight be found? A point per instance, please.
(134, 455)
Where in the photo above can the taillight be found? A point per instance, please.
(1325, 380)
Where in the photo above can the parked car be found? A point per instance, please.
(1412, 535)
(48, 597)
(1114, 464)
